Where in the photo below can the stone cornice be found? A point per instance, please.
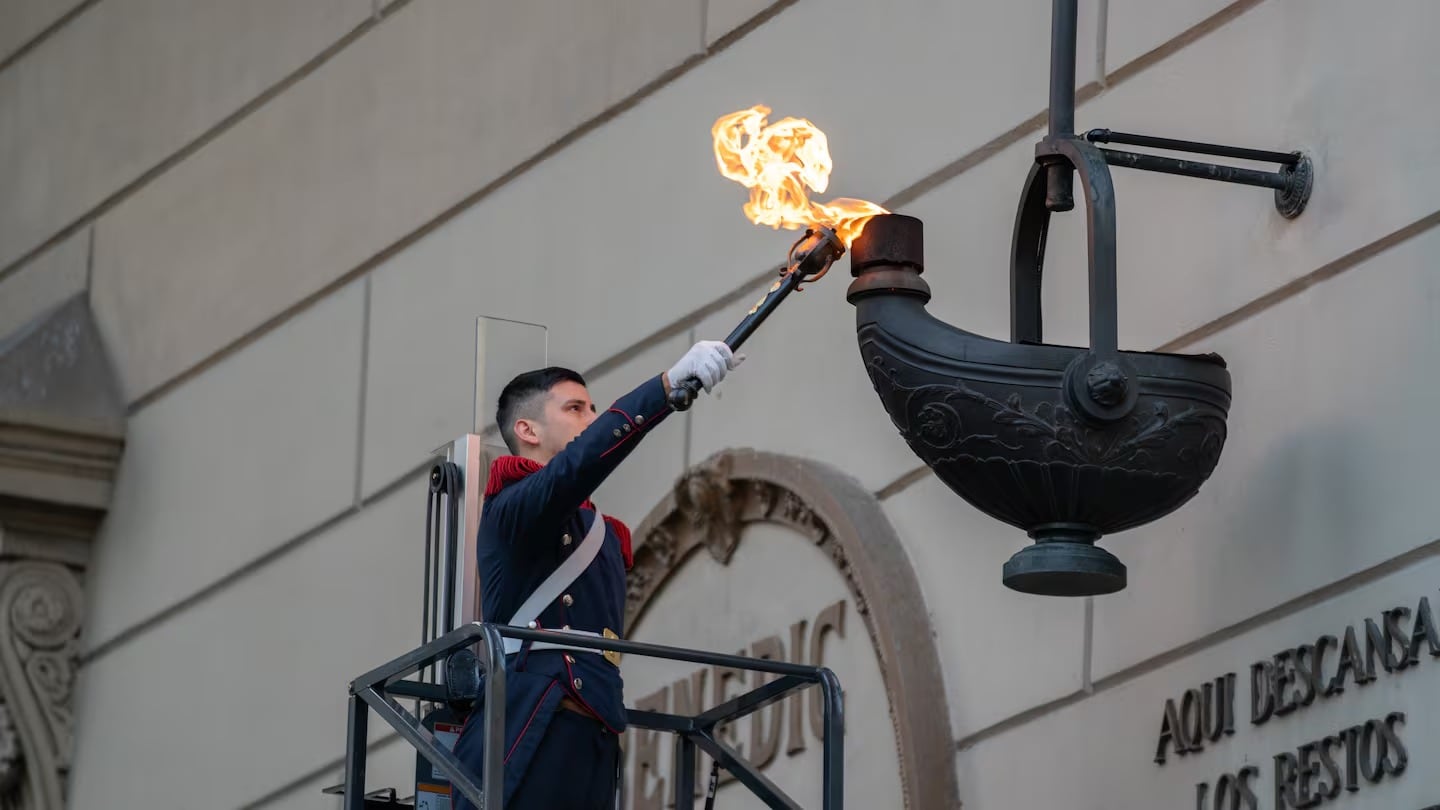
(62, 421)
(62, 428)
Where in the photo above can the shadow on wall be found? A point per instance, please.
(1293, 519)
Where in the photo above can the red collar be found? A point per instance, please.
(506, 470)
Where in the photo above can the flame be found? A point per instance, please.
(777, 162)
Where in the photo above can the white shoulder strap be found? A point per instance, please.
(562, 578)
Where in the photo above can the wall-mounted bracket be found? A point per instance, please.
(1292, 182)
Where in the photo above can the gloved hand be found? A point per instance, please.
(708, 360)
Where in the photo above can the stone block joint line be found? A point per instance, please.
(914, 190)
(677, 327)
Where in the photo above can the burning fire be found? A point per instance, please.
(777, 162)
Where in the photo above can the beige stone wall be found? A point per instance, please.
(288, 215)
(756, 590)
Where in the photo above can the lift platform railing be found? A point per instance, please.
(378, 688)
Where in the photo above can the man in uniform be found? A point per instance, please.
(549, 560)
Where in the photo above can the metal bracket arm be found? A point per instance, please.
(1292, 183)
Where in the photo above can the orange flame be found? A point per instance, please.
(777, 162)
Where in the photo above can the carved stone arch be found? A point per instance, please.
(709, 508)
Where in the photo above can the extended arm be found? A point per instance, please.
(544, 500)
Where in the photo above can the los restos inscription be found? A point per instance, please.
(1293, 679)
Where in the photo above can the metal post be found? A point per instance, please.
(355, 741)
(1063, 24)
(1193, 168)
(834, 742)
(1193, 147)
(748, 775)
(1059, 194)
(492, 663)
(424, 741)
(452, 593)
(684, 772)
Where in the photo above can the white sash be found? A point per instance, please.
(555, 585)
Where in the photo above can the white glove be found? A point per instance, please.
(708, 360)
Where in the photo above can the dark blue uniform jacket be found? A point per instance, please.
(537, 518)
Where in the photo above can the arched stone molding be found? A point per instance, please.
(710, 507)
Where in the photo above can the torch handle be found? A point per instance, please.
(683, 394)
(812, 264)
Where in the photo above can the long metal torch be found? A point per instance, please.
(810, 258)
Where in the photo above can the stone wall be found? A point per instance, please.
(288, 215)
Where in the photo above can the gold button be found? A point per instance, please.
(565, 541)
(532, 625)
(616, 432)
(578, 684)
(626, 428)
(566, 627)
(639, 420)
(569, 659)
(568, 600)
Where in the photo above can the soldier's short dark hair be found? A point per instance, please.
(524, 398)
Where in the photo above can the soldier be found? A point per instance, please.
(549, 560)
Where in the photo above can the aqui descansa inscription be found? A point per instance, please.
(1347, 759)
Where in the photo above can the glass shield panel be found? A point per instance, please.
(504, 348)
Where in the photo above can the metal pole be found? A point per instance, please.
(748, 775)
(1192, 168)
(647, 650)
(492, 663)
(1193, 147)
(355, 754)
(834, 742)
(684, 772)
(818, 249)
(1059, 194)
(423, 740)
(1063, 26)
(420, 690)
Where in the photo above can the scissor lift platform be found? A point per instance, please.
(472, 657)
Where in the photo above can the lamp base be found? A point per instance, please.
(1064, 561)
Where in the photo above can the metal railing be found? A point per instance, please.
(378, 688)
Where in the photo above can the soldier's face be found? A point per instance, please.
(568, 411)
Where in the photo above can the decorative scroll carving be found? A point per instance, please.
(62, 429)
(709, 508)
(42, 606)
(998, 447)
(932, 420)
(703, 496)
(11, 760)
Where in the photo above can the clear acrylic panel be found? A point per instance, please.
(504, 348)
